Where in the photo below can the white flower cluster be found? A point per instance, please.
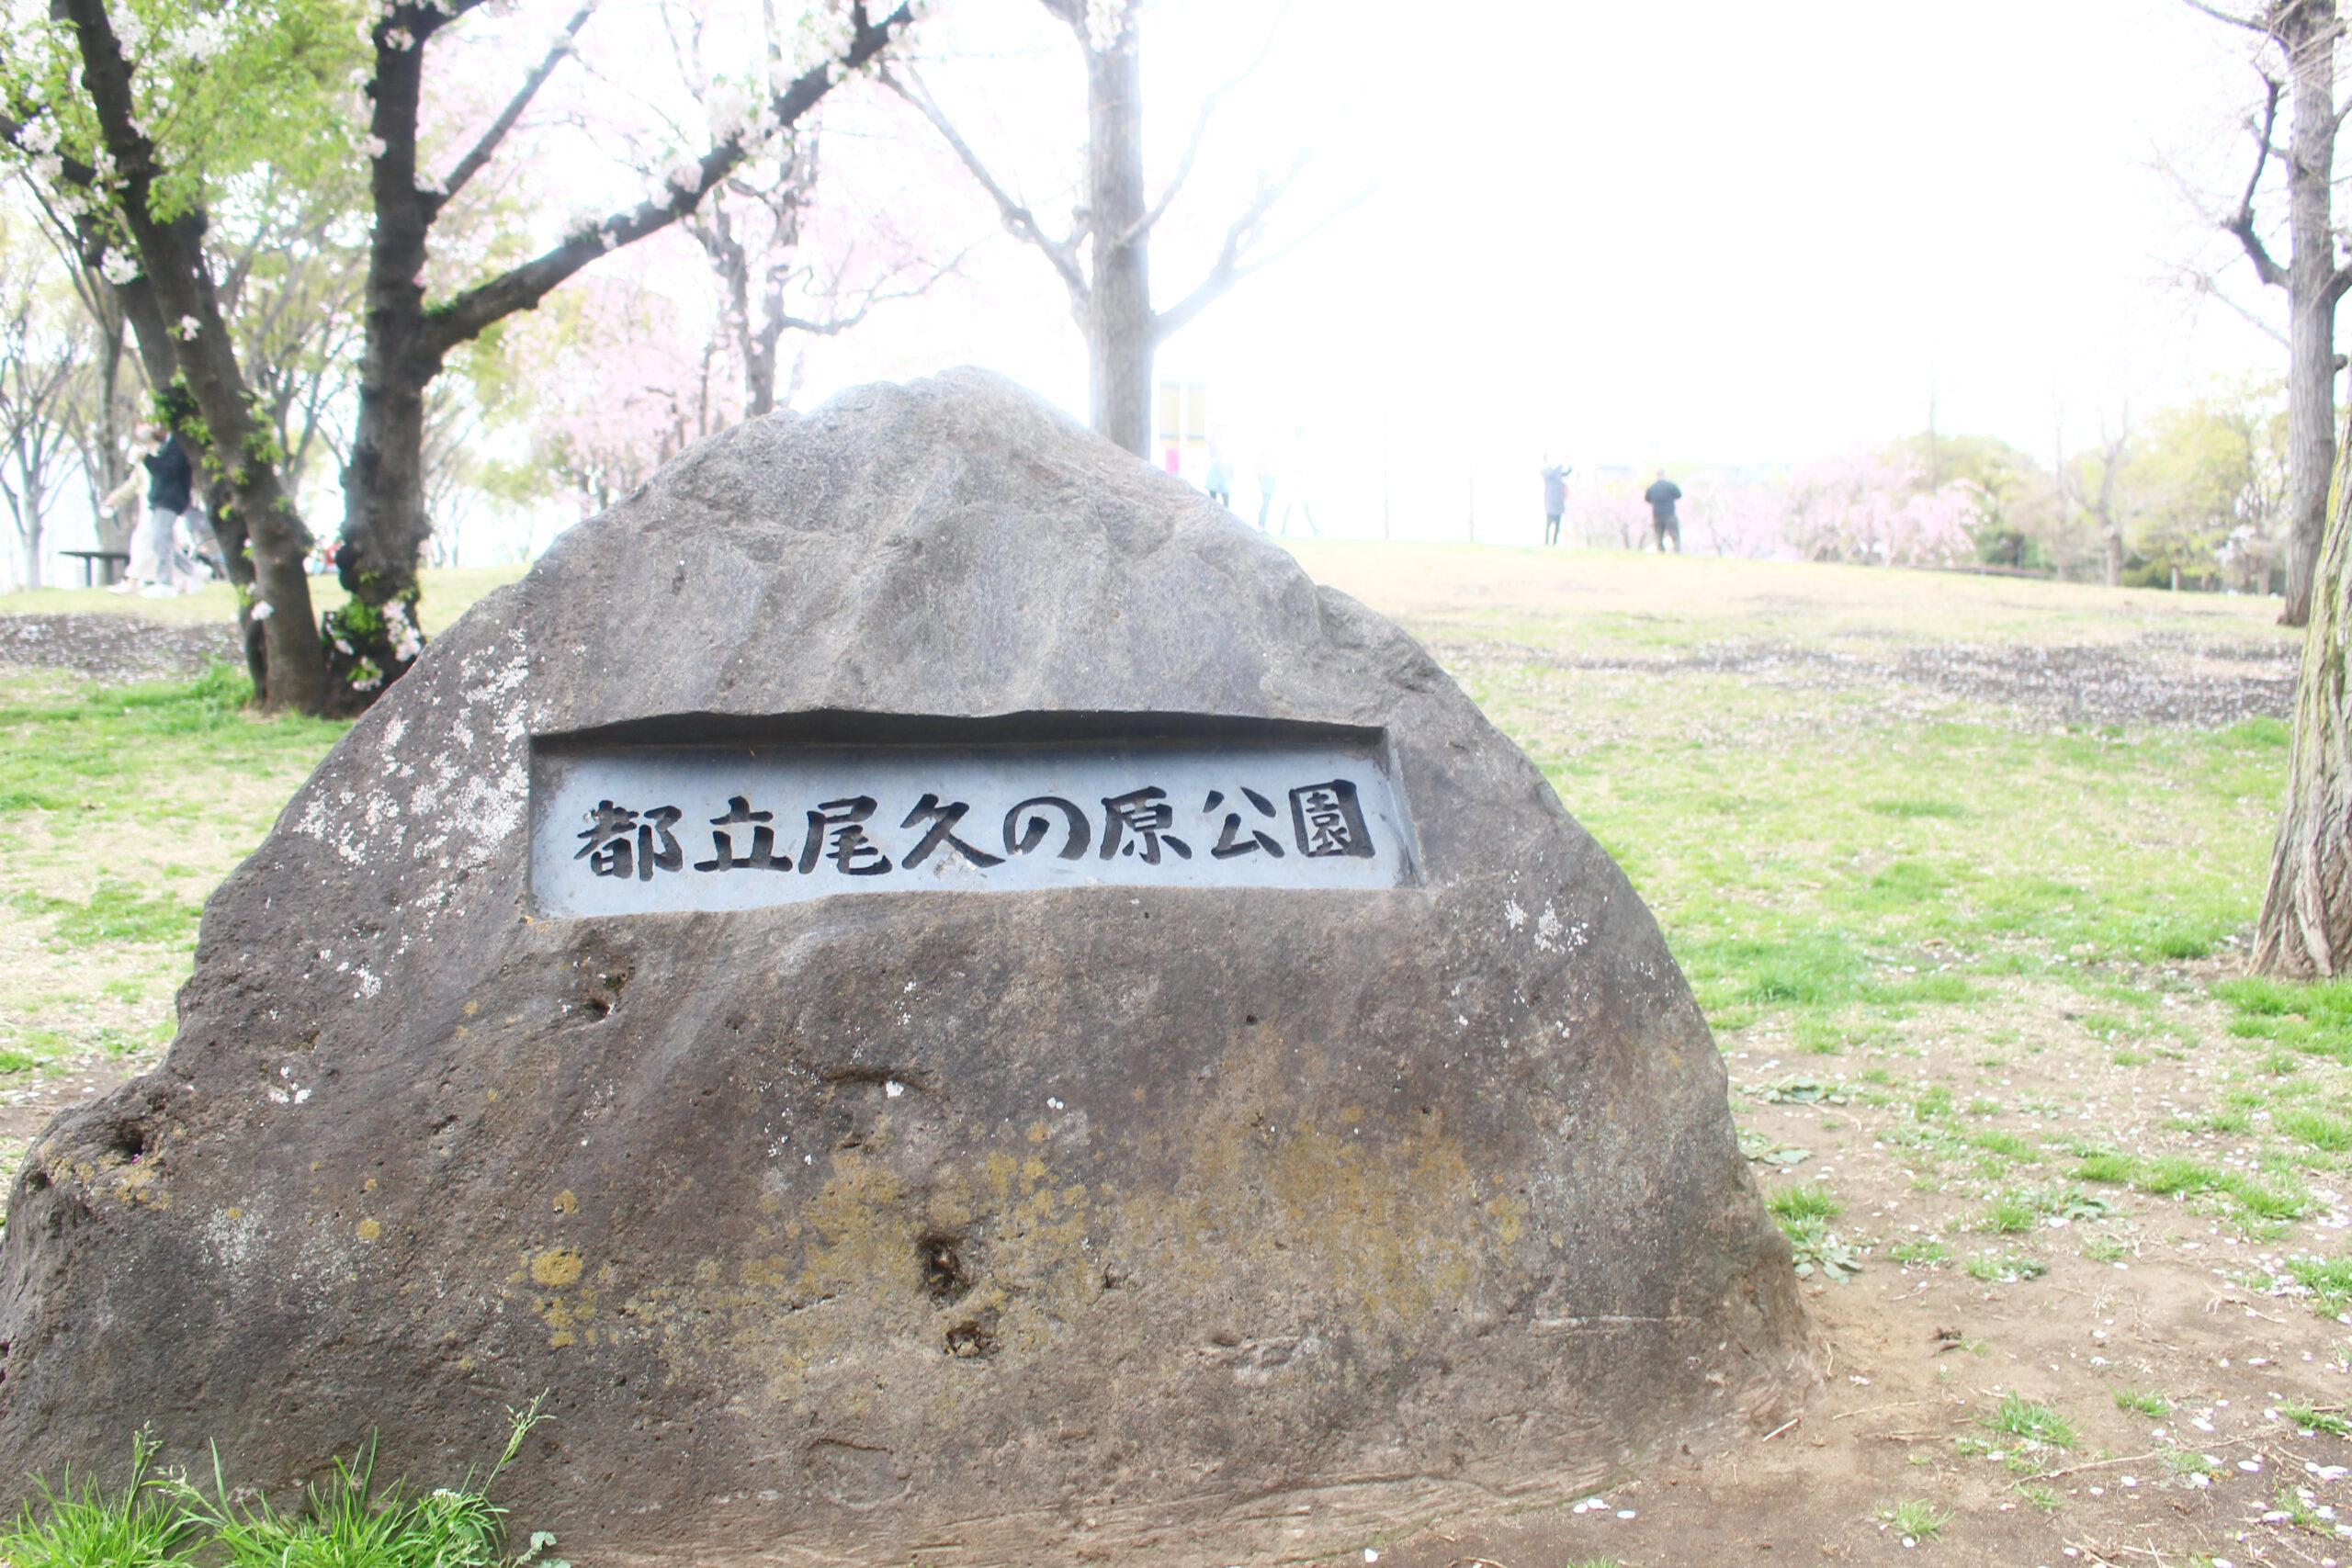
(827, 30)
(685, 177)
(39, 136)
(582, 219)
(734, 109)
(1106, 24)
(406, 641)
(203, 38)
(373, 147)
(188, 329)
(117, 269)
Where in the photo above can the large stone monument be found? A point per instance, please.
(942, 1001)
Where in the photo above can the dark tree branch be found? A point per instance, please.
(1018, 218)
(471, 164)
(522, 287)
(2241, 223)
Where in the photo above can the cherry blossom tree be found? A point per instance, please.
(263, 87)
(1872, 508)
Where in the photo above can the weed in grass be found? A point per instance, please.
(1934, 1101)
(140, 1529)
(2022, 1418)
(1918, 807)
(2009, 1146)
(2006, 1215)
(2313, 1419)
(2317, 1128)
(1919, 1253)
(2328, 1278)
(1916, 1519)
(1800, 1201)
(2141, 1402)
(2004, 1268)
(16, 1062)
(2042, 1497)
(2107, 1249)
(1817, 1250)
(2129, 1058)
(2103, 1165)
(2299, 1513)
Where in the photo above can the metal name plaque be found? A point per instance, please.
(636, 829)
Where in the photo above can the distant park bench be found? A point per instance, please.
(108, 562)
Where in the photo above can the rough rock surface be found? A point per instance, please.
(991, 1226)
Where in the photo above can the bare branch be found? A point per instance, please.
(471, 164)
(1144, 224)
(880, 294)
(522, 287)
(2250, 24)
(2203, 283)
(2240, 222)
(1018, 218)
(1229, 268)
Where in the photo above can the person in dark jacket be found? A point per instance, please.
(1662, 495)
(170, 480)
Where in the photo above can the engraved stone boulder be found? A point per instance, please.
(938, 998)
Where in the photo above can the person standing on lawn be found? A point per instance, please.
(170, 480)
(1555, 499)
(1662, 495)
(139, 570)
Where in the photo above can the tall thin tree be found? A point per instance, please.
(2297, 57)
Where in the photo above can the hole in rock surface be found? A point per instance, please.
(971, 1338)
(946, 1276)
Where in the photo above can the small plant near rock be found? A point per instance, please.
(1915, 1518)
(349, 1521)
(142, 1527)
(1803, 1202)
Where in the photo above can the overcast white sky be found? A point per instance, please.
(1633, 234)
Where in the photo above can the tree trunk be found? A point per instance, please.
(2307, 30)
(2306, 925)
(375, 636)
(248, 498)
(1118, 322)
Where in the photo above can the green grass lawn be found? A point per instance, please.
(448, 594)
